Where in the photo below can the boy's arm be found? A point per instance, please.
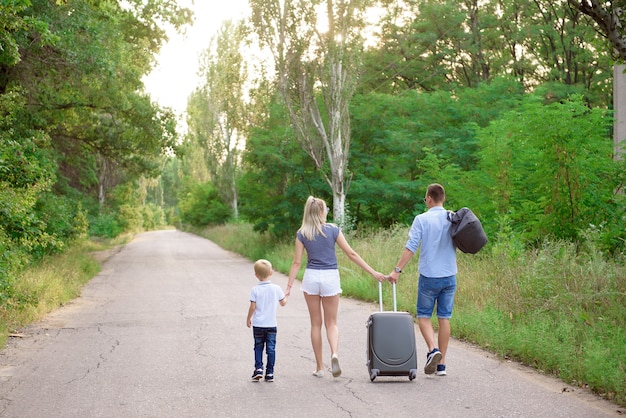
(283, 301)
(250, 313)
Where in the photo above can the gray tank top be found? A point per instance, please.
(321, 251)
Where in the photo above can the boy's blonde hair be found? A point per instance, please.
(262, 269)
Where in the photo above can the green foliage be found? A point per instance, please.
(153, 216)
(432, 45)
(200, 205)
(216, 110)
(130, 218)
(104, 225)
(26, 175)
(402, 143)
(278, 176)
(550, 168)
(63, 218)
(15, 24)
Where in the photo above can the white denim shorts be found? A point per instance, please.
(321, 282)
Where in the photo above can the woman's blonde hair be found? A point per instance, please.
(313, 218)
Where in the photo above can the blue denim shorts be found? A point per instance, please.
(435, 289)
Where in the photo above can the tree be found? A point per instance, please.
(85, 91)
(398, 147)
(609, 16)
(442, 44)
(316, 45)
(277, 173)
(217, 111)
(549, 167)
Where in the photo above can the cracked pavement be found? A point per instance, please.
(161, 332)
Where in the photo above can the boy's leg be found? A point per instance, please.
(270, 348)
(259, 344)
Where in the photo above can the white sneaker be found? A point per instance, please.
(335, 369)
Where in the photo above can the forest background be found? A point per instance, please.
(507, 103)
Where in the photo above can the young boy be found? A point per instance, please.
(264, 299)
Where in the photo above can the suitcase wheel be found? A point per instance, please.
(373, 374)
(412, 374)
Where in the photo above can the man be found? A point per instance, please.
(437, 275)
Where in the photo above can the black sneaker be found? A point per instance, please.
(432, 359)
(257, 375)
(269, 377)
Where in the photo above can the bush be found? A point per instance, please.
(130, 218)
(153, 216)
(201, 206)
(104, 225)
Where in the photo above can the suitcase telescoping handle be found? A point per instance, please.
(380, 296)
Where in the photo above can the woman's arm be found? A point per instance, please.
(295, 265)
(356, 258)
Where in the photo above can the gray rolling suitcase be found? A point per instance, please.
(391, 349)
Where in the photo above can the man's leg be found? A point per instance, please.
(443, 338)
(445, 305)
(426, 328)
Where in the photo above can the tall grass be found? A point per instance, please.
(558, 308)
(48, 284)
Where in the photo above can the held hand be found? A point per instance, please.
(393, 277)
(379, 276)
(287, 291)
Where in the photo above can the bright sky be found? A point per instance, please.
(175, 76)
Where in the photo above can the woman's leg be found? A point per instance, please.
(315, 313)
(331, 307)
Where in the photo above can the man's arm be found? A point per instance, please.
(404, 260)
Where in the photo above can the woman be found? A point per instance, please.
(321, 284)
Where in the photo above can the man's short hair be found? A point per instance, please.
(436, 192)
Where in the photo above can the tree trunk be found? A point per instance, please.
(290, 31)
(619, 104)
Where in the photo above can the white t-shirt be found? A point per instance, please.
(266, 295)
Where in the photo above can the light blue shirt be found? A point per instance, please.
(430, 233)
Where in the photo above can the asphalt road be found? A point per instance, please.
(161, 332)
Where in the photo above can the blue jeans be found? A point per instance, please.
(435, 289)
(264, 338)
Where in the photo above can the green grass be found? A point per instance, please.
(559, 309)
(50, 283)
